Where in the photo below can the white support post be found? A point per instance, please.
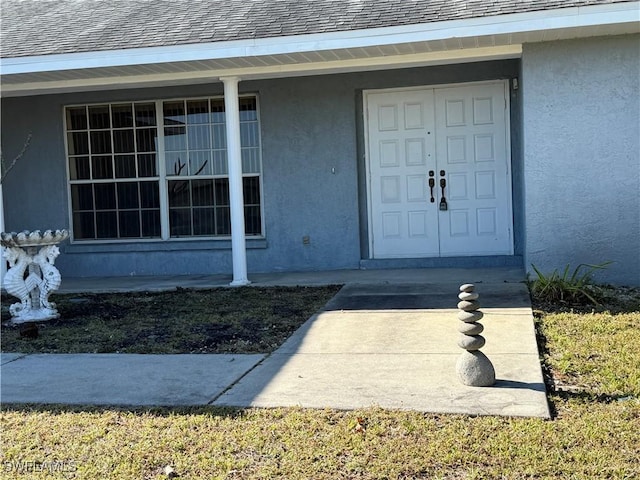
(234, 157)
(3, 263)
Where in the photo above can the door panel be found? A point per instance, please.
(471, 147)
(460, 131)
(404, 222)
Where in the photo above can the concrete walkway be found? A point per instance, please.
(387, 339)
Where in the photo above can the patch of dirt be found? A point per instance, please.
(70, 311)
(222, 320)
(610, 299)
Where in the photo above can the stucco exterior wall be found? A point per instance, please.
(581, 123)
(311, 127)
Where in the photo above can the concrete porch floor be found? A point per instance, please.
(388, 339)
(371, 277)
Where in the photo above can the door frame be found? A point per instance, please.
(367, 155)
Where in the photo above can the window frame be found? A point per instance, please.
(162, 178)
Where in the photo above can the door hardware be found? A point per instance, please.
(443, 199)
(432, 183)
(442, 173)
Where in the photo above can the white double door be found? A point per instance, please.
(457, 137)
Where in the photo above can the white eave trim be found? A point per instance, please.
(540, 21)
(265, 72)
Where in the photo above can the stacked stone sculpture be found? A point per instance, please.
(473, 366)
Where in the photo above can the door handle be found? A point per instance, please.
(443, 185)
(432, 183)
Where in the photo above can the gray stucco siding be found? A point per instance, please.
(308, 133)
(314, 183)
(35, 189)
(582, 155)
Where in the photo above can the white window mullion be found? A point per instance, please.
(113, 167)
(68, 169)
(162, 173)
(260, 176)
(91, 176)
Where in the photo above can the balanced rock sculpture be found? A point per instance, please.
(473, 366)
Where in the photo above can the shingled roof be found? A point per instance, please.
(48, 27)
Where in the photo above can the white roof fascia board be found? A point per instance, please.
(264, 72)
(611, 14)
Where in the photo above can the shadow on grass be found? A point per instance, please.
(555, 398)
(159, 411)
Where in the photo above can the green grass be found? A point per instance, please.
(594, 352)
(588, 440)
(591, 360)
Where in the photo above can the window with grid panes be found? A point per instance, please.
(119, 158)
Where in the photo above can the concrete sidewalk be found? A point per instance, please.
(388, 339)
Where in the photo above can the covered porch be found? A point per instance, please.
(311, 89)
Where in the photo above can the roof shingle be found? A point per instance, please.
(47, 27)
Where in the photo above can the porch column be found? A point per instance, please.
(236, 201)
(3, 263)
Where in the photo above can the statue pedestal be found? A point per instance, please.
(32, 276)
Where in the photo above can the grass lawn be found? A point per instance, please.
(591, 358)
